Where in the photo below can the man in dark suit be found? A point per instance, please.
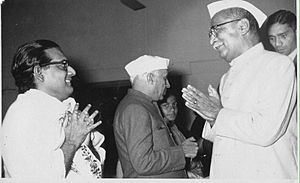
(145, 145)
(282, 33)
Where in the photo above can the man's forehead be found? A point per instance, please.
(162, 71)
(279, 28)
(171, 99)
(55, 54)
(217, 19)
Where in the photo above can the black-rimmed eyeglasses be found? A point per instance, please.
(213, 31)
(64, 64)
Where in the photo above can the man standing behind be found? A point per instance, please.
(145, 145)
(282, 33)
(253, 122)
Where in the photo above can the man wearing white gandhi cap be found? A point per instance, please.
(252, 118)
(145, 64)
(145, 146)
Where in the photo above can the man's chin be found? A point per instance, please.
(161, 97)
(70, 91)
(171, 118)
(284, 53)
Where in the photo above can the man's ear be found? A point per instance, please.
(37, 72)
(244, 26)
(150, 78)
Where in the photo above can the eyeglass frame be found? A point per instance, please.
(65, 64)
(213, 29)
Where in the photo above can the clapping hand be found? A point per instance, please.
(79, 124)
(208, 107)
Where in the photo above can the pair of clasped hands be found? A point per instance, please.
(78, 125)
(208, 107)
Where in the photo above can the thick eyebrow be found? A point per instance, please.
(279, 34)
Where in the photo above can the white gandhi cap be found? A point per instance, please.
(146, 63)
(218, 6)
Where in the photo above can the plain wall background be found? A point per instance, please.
(101, 36)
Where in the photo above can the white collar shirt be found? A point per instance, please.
(293, 54)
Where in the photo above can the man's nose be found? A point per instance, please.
(278, 42)
(167, 84)
(212, 39)
(172, 108)
(71, 71)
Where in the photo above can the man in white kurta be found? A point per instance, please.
(35, 139)
(32, 143)
(252, 121)
(44, 135)
(255, 134)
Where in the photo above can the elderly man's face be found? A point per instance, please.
(58, 76)
(283, 38)
(161, 84)
(224, 37)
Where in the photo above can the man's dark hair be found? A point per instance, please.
(168, 93)
(282, 17)
(27, 56)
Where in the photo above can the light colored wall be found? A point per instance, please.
(101, 36)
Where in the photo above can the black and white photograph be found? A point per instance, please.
(149, 90)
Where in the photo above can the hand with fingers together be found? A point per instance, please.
(79, 125)
(207, 107)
